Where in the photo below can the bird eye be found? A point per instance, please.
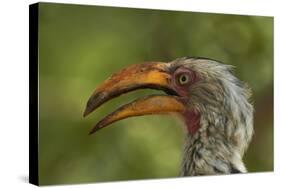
(183, 79)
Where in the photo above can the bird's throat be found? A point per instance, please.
(192, 121)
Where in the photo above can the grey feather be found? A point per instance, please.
(226, 122)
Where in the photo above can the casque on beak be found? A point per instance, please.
(153, 75)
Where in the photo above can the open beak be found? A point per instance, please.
(154, 75)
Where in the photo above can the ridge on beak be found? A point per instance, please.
(153, 75)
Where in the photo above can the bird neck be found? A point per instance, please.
(207, 154)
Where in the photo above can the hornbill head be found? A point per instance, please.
(212, 102)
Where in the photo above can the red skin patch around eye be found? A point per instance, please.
(190, 116)
(192, 121)
(182, 90)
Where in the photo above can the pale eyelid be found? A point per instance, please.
(187, 77)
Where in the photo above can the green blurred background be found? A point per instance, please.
(80, 46)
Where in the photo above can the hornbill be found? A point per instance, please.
(213, 104)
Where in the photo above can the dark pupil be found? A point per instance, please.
(183, 78)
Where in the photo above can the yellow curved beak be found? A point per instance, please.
(153, 75)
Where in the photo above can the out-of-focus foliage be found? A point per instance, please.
(80, 46)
